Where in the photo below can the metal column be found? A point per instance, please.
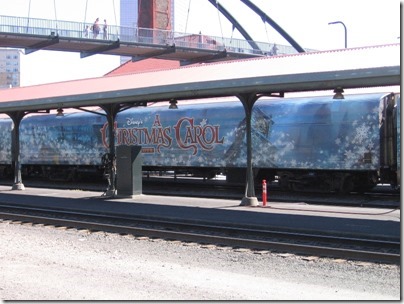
(15, 149)
(248, 101)
(111, 110)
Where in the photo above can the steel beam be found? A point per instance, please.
(207, 58)
(52, 39)
(170, 49)
(271, 22)
(100, 50)
(235, 23)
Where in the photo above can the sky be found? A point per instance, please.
(368, 22)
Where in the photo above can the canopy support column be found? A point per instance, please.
(110, 159)
(248, 101)
(15, 149)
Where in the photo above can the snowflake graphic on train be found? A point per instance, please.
(294, 139)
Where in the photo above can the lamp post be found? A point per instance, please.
(336, 22)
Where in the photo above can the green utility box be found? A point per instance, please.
(128, 170)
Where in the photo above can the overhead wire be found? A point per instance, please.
(85, 14)
(56, 18)
(266, 29)
(220, 23)
(29, 12)
(186, 22)
(232, 32)
(116, 24)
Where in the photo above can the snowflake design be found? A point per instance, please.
(204, 122)
(371, 146)
(349, 154)
(362, 150)
(362, 133)
(333, 159)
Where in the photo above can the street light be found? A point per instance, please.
(336, 22)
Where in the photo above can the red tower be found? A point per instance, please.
(155, 14)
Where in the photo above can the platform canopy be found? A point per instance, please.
(327, 70)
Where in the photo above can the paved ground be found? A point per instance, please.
(356, 221)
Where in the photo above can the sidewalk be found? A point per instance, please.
(349, 221)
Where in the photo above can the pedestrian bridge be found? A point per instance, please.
(34, 34)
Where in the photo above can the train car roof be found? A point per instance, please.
(318, 96)
(346, 68)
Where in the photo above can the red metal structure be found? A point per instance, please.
(155, 14)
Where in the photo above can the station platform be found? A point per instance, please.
(283, 216)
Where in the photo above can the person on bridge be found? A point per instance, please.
(87, 31)
(96, 28)
(105, 31)
(274, 50)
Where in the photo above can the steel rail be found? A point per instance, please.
(174, 230)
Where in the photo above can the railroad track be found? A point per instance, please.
(375, 250)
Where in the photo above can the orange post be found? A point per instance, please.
(264, 193)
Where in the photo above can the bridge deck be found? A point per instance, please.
(40, 34)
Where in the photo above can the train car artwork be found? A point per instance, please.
(311, 143)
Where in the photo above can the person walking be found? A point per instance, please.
(96, 28)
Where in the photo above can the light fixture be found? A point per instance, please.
(173, 104)
(59, 112)
(338, 93)
(343, 24)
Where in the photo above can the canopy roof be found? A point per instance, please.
(346, 68)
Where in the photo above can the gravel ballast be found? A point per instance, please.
(48, 263)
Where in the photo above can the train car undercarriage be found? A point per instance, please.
(288, 180)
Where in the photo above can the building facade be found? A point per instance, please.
(10, 61)
(129, 13)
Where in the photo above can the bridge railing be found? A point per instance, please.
(77, 30)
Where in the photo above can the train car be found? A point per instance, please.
(336, 145)
(397, 127)
(5, 146)
(307, 144)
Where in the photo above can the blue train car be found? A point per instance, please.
(5, 141)
(74, 139)
(313, 143)
(324, 143)
(398, 139)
